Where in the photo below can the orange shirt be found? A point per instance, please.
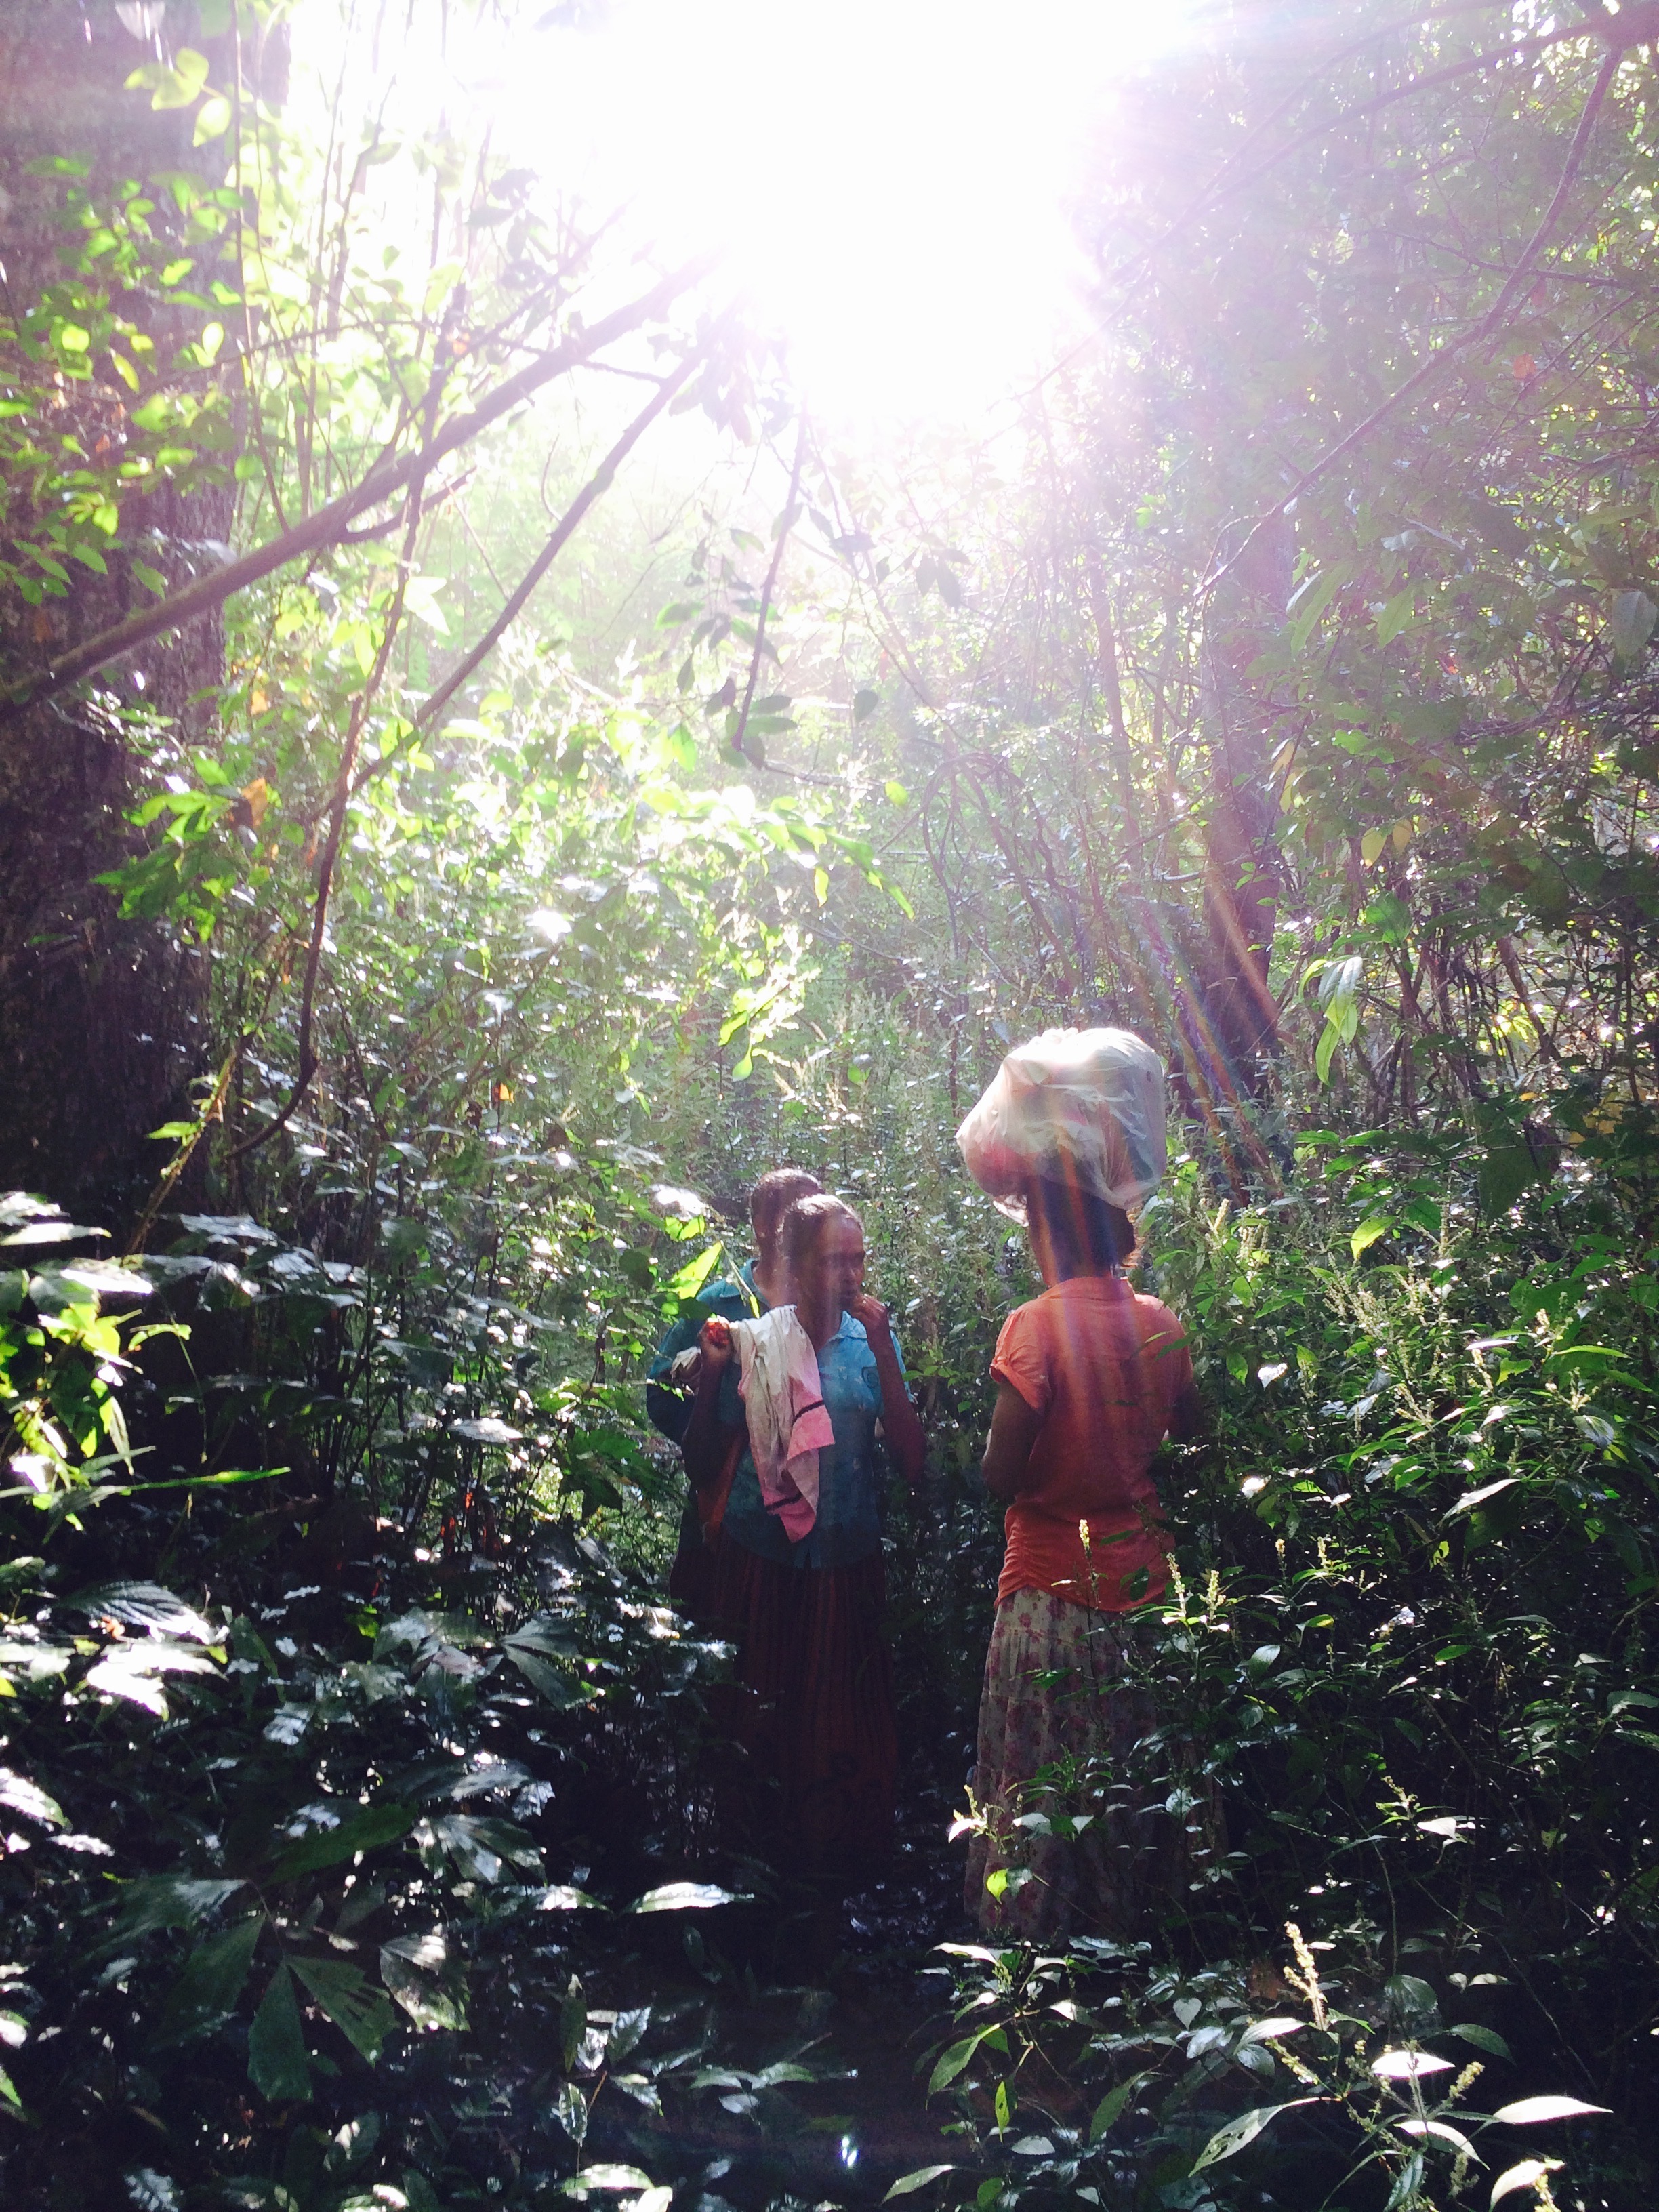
(1104, 1368)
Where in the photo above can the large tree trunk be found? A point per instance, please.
(101, 1020)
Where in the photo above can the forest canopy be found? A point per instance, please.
(597, 599)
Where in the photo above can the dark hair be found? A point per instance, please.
(1100, 1235)
(774, 1193)
(805, 1223)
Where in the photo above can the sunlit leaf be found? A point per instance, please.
(684, 1897)
(418, 1971)
(1531, 2111)
(1228, 2142)
(363, 1830)
(345, 1994)
(19, 1795)
(908, 2183)
(1526, 2174)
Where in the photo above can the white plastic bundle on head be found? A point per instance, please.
(1084, 1105)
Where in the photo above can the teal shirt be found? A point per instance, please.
(850, 1492)
(671, 1410)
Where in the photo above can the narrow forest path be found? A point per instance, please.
(857, 1987)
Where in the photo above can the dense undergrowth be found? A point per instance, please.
(342, 1825)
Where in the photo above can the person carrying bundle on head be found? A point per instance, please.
(1091, 1378)
(760, 1285)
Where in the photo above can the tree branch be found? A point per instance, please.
(599, 482)
(325, 526)
(1455, 346)
(787, 525)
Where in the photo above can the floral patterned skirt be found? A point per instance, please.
(1070, 1845)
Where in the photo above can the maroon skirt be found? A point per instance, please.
(812, 1710)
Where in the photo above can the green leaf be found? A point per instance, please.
(418, 1972)
(1111, 2106)
(865, 704)
(1397, 615)
(607, 2177)
(1389, 918)
(1504, 1173)
(206, 1991)
(179, 86)
(212, 119)
(358, 2009)
(695, 1273)
(276, 2060)
(573, 2023)
(1311, 601)
(1228, 2142)
(147, 1606)
(167, 1901)
(1483, 2039)
(1376, 1225)
(960, 2055)
(480, 1846)
(684, 1897)
(908, 2183)
(1472, 1500)
(364, 1831)
(558, 1684)
(1524, 2174)
(19, 1795)
(1630, 623)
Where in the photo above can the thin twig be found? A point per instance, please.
(213, 1111)
(597, 484)
(784, 529)
(309, 1060)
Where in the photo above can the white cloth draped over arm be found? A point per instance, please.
(789, 1422)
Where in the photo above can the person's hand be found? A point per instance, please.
(874, 1315)
(717, 1345)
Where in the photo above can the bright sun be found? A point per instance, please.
(886, 178)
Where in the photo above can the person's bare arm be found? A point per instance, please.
(1014, 1427)
(708, 1439)
(900, 1421)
